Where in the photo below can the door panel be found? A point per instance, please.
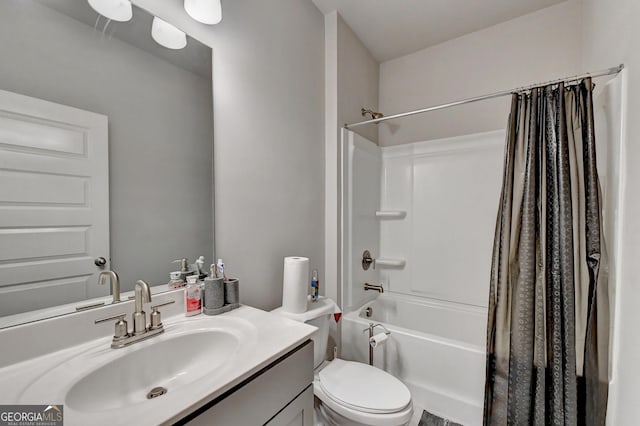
(54, 203)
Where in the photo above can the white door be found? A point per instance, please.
(54, 203)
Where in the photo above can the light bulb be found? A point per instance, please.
(116, 10)
(205, 11)
(167, 35)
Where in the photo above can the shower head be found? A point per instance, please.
(374, 115)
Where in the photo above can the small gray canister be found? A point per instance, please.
(232, 292)
(214, 296)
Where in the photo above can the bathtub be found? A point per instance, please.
(436, 348)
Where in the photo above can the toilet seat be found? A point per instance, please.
(363, 393)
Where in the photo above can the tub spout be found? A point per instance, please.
(377, 288)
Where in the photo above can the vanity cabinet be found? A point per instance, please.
(299, 412)
(281, 394)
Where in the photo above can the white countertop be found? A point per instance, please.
(35, 380)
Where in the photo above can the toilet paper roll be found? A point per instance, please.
(378, 340)
(295, 284)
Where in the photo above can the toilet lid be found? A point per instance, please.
(364, 387)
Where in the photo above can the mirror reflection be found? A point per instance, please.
(106, 154)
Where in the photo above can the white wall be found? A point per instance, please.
(610, 36)
(536, 47)
(268, 136)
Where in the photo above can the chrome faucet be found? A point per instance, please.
(141, 331)
(377, 288)
(143, 294)
(115, 283)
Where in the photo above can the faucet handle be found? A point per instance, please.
(155, 318)
(121, 330)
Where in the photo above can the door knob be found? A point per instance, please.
(100, 261)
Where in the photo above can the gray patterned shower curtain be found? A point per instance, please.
(548, 324)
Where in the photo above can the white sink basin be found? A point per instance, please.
(96, 378)
(171, 363)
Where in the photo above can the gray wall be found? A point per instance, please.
(160, 149)
(358, 81)
(268, 85)
(268, 108)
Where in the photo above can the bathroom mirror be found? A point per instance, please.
(152, 110)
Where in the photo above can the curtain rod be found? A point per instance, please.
(608, 71)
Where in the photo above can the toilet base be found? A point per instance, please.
(325, 416)
(327, 412)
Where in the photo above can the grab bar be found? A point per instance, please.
(368, 260)
(393, 263)
(391, 214)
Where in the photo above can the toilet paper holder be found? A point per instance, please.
(370, 329)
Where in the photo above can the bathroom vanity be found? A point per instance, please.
(243, 367)
(271, 397)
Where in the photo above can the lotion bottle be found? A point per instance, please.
(315, 286)
(192, 296)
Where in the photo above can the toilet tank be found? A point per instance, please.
(318, 314)
(320, 338)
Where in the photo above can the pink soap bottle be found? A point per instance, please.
(192, 297)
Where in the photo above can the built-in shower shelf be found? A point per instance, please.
(391, 214)
(390, 263)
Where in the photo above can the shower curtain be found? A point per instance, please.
(548, 324)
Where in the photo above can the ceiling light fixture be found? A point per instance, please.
(167, 35)
(116, 10)
(205, 11)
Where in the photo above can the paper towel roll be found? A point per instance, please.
(295, 284)
(378, 340)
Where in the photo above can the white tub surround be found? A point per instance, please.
(406, 204)
(197, 359)
(450, 190)
(361, 168)
(435, 348)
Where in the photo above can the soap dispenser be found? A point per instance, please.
(192, 296)
(213, 293)
(175, 281)
(184, 268)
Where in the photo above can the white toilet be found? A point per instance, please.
(350, 393)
